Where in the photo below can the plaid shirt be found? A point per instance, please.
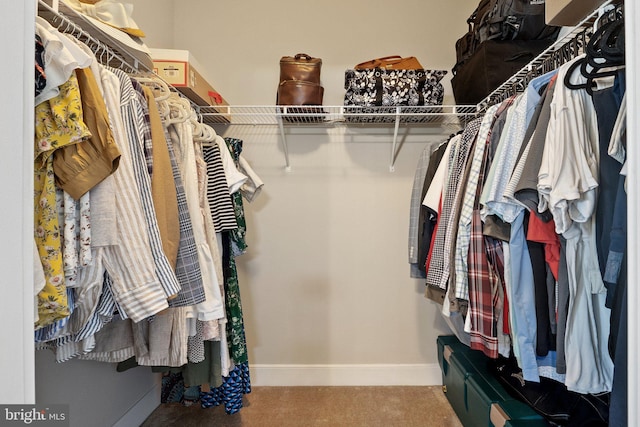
(435, 258)
(484, 284)
(438, 272)
(187, 266)
(485, 277)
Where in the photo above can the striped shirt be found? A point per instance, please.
(218, 195)
(130, 263)
(133, 105)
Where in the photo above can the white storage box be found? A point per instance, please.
(181, 70)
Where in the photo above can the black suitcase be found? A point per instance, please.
(493, 63)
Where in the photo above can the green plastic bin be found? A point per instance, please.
(476, 396)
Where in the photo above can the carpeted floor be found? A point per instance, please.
(320, 406)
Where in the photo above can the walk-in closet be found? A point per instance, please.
(284, 256)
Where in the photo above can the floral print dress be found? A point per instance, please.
(58, 124)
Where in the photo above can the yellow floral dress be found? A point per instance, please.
(58, 123)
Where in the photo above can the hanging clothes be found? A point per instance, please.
(237, 383)
(58, 123)
(416, 219)
(218, 194)
(568, 184)
(140, 267)
(532, 259)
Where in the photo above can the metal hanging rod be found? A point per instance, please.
(106, 54)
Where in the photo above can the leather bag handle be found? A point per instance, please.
(374, 62)
(394, 62)
(303, 55)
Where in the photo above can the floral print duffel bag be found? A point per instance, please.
(378, 87)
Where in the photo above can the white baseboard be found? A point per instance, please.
(142, 409)
(346, 375)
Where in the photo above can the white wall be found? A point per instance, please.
(240, 43)
(97, 395)
(155, 18)
(16, 226)
(326, 278)
(325, 282)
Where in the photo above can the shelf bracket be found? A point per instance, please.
(392, 167)
(285, 147)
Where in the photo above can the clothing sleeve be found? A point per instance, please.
(252, 188)
(235, 178)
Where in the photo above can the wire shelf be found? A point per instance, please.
(440, 115)
(444, 117)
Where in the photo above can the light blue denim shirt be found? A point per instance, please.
(522, 304)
